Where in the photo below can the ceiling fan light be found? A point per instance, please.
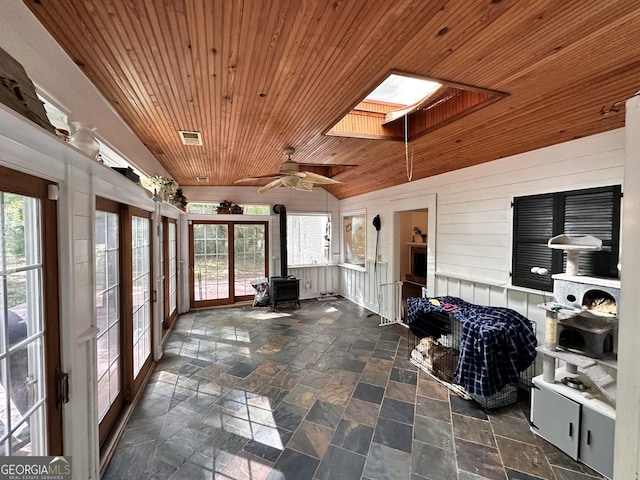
(289, 166)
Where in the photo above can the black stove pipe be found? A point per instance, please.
(282, 211)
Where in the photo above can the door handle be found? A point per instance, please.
(571, 429)
(588, 437)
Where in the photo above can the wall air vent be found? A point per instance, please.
(202, 179)
(190, 138)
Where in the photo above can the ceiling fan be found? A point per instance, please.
(291, 176)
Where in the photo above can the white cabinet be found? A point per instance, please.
(596, 441)
(581, 427)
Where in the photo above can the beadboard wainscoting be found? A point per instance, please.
(360, 285)
(481, 292)
(314, 281)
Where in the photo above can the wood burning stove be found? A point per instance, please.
(283, 289)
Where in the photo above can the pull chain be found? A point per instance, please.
(408, 165)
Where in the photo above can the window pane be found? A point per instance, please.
(249, 257)
(107, 253)
(141, 297)
(354, 235)
(307, 239)
(201, 208)
(173, 271)
(256, 209)
(22, 378)
(211, 263)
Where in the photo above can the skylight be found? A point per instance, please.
(402, 90)
(406, 106)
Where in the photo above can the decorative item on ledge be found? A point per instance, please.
(163, 188)
(127, 172)
(418, 236)
(178, 200)
(84, 139)
(226, 207)
(18, 92)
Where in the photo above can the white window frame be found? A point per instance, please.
(326, 245)
(346, 236)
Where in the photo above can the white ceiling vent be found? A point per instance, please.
(190, 138)
(202, 179)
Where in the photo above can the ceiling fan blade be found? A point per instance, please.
(327, 165)
(315, 178)
(304, 185)
(256, 179)
(278, 182)
(291, 176)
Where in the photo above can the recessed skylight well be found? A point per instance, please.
(406, 106)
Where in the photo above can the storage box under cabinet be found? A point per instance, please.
(580, 426)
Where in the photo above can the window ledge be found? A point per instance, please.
(311, 265)
(351, 266)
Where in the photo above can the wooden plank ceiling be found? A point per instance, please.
(256, 77)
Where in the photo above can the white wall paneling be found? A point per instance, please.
(470, 240)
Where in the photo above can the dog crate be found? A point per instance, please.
(436, 351)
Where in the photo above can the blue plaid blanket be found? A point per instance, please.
(496, 344)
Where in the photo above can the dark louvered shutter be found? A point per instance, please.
(533, 226)
(595, 212)
(537, 218)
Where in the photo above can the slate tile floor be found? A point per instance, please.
(319, 393)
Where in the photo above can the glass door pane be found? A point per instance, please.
(22, 371)
(249, 257)
(210, 261)
(107, 253)
(162, 278)
(141, 281)
(173, 269)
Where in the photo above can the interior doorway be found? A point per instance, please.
(414, 240)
